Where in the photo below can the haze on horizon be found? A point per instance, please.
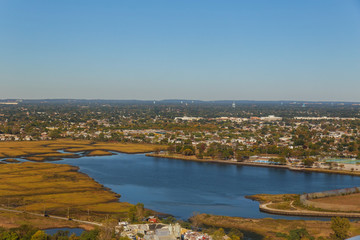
(206, 50)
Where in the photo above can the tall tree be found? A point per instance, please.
(341, 227)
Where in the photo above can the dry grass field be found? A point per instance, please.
(43, 150)
(259, 228)
(352, 201)
(12, 220)
(57, 189)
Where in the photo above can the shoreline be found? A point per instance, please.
(213, 161)
(268, 210)
(318, 170)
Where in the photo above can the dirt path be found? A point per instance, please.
(51, 216)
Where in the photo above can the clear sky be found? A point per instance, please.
(191, 49)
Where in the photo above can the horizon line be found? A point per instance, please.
(177, 99)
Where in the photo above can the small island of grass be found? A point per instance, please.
(99, 153)
(11, 160)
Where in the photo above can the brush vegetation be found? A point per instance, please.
(275, 198)
(268, 228)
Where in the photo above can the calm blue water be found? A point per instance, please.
(76, 231)
(182, 187)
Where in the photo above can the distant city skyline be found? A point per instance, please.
(198, 50)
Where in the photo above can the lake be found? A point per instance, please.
(182, 187)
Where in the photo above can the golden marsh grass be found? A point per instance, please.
(55, 188)
(43, 150)
(98, 153)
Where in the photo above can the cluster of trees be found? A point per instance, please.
(296, 234)
(242, 152)
(219, 151)
(26, 232)
(215, 150)
(137, 213)
(219, 234)
(340, 230)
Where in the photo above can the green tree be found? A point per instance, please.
(9, 236)
(140, 210)
(169, 220)
(201, 147)
(308, 162)
(235, 234)
(298, 234)
(25, 231)
(55, 134)
(124, 238)
(73, 237)
(280, 160)
(171, 149)
(132, 214)
(340, 226)
(39, 235)
(136, 212)
(218, 234)
(89, 235)
(107, 230)
(188, 152)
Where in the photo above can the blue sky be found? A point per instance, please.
(207, 50)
